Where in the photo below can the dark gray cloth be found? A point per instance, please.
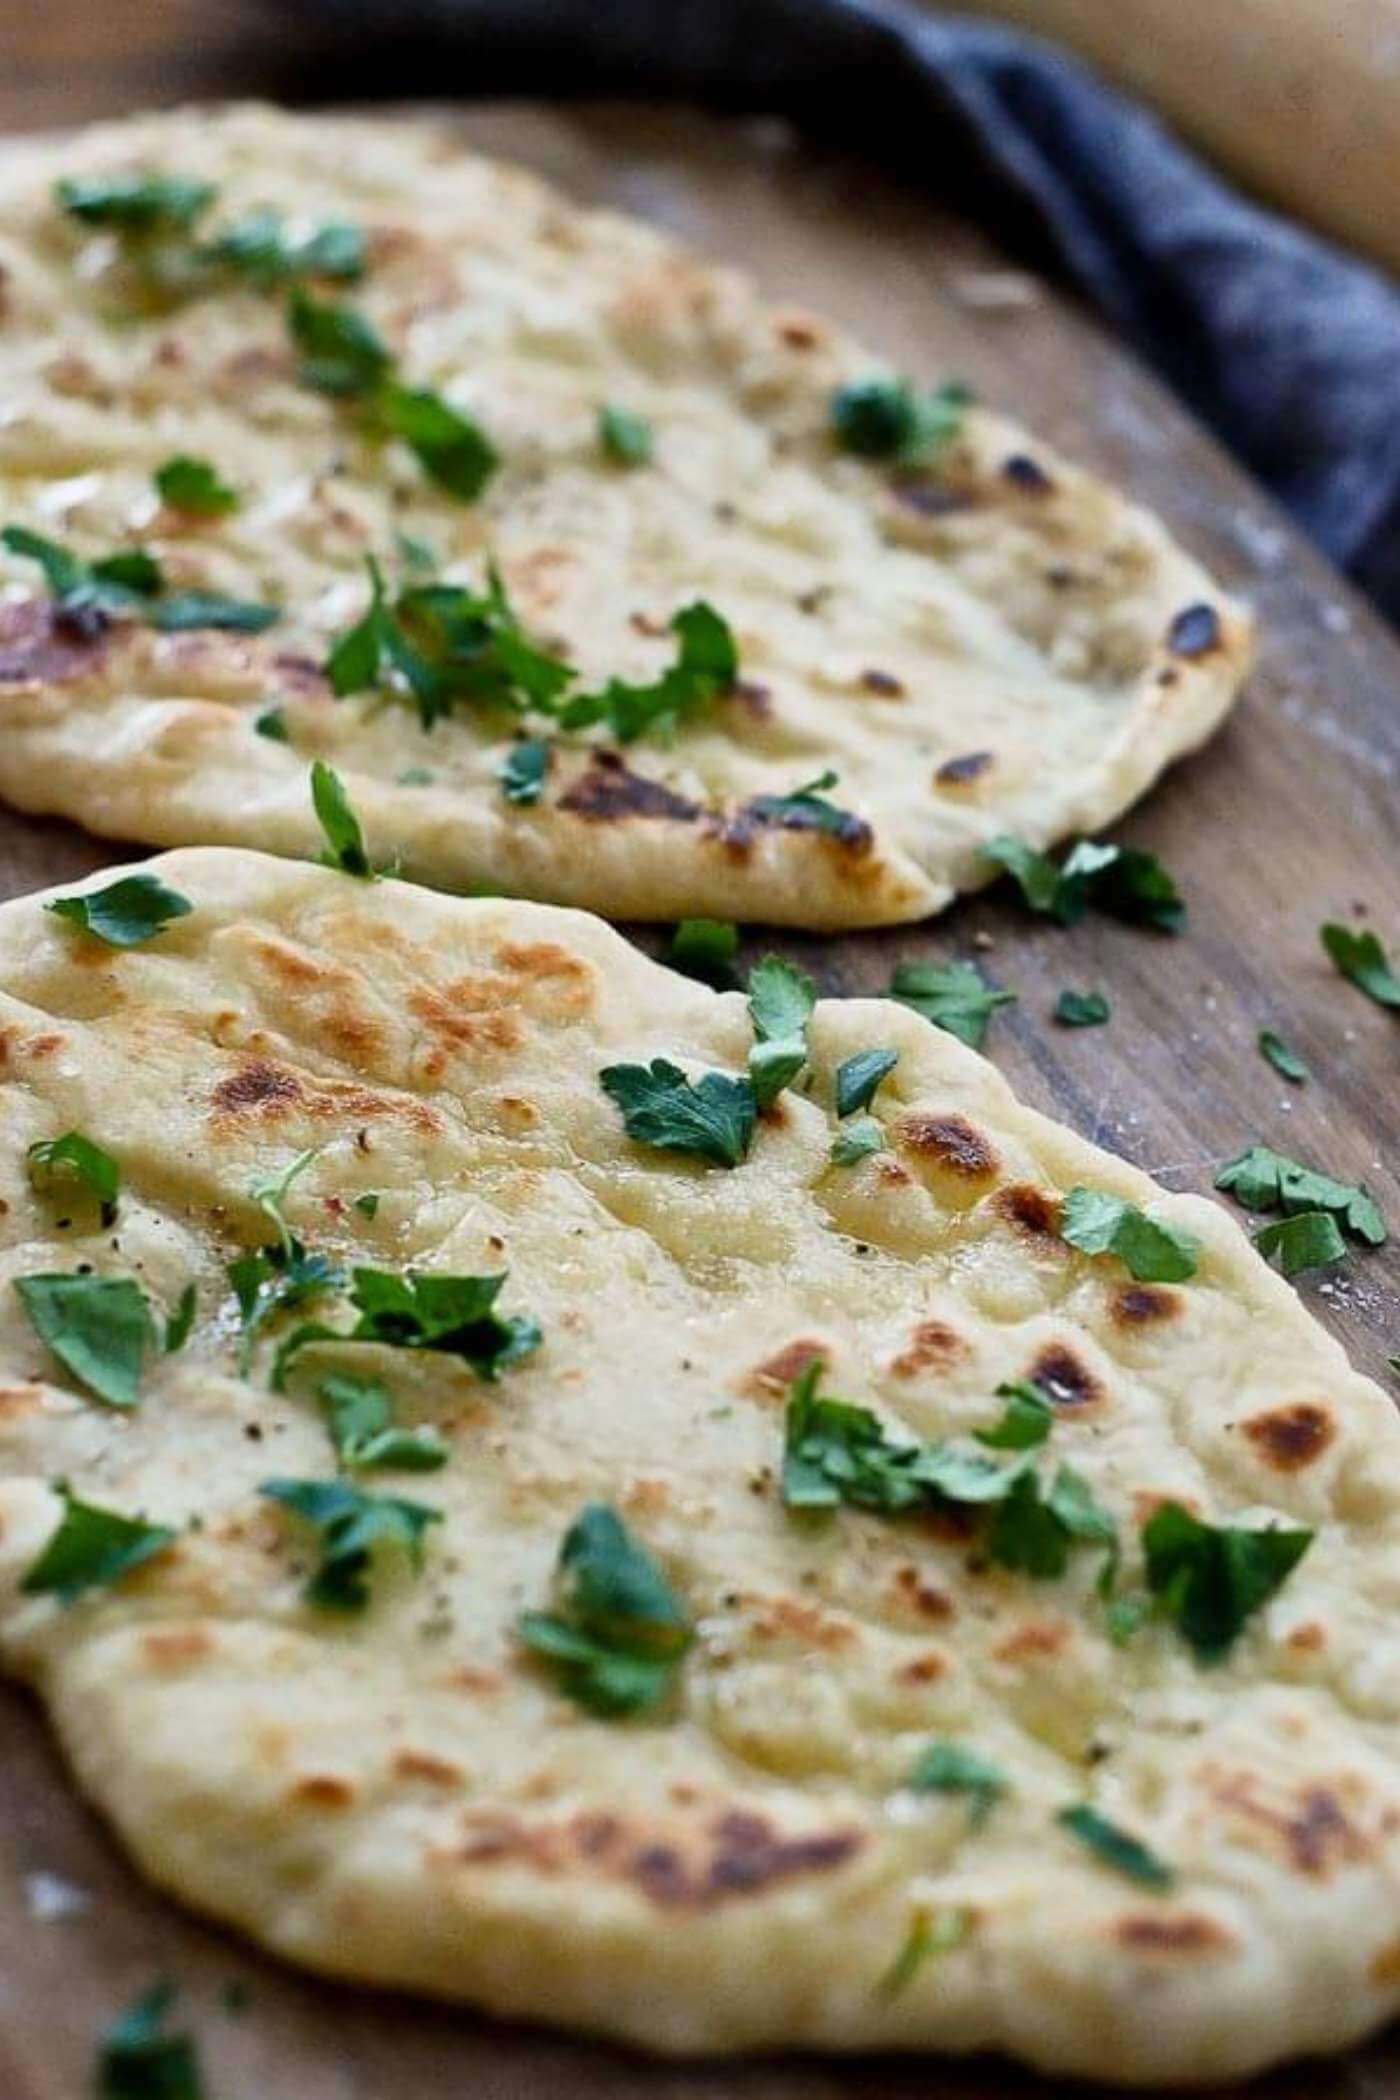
(1286, 346)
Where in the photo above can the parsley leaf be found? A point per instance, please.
(134, 203)
(705, 948)
(859, 1138)
(1116, 1847)
(54, 1164)
(272, 723)
(1081, 1009)
(1120, 880)
(781, 999)
(1361, 958)
(621, 1632)
(122, 582)
(1262, 1180)
(99, 1328)
(931, 1932)
(184, 611)
(126, 913)
(886, 418)
(954, 996)
(1034, 1528)
(351, 1525)
(261, 249)
(450, 446)
(1026, 1421)
(624, 436)
(359, 1414)
(1098, 1223)
(193, 485)
(136, 2061)
(950, 1768)
(858, 1078)
(712, 1117)
(1285, 1062)
(345, 839)
(1310, 1240)
(807, 809)
(706, 664)
(451, 1315)
(275, 1279)
(90, 1548)
(522, 771)
(180, 1323)
(1208, 1579)
(341, 353)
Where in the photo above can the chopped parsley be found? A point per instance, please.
(781, 999)
(625, 437)
(90, 1549)
(450, 446)
(449, 1315)
(98, 1327)
(341, 353)
(712, 1117)
(272, 724)
(1116, 1847)
(1208, 1579)
(621, 1632)
(950, 1768)
(954, 996)
(1027, 1419)
(180, 1324)
(522, 771)
(262, 249)
(345, 838)
(856, 1141)
(137, 2060)
(56, 1164)
(888, 418)
(368, 1204)
(441, 643)
(1287, 1063)
(1097, 1223)
(132, 581)
(274, 1280)
(184, 611)
(193, 485)
(126, 913)
(931, 1932)
(1081, 1009)
(351, 1525)
(806, 808)
(858, 1078)
(359, 1414)
(135, 203)
(706, 665)
(1120, 880)
(1263, 1180)
(1310, 1240)
(1362, 960)
(705, 948)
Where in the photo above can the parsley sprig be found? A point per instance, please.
(132, 582)
(620, 1632)
(352, 1527)
(1120, 880)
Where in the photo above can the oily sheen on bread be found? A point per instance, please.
(989, 641)
(410, 1788)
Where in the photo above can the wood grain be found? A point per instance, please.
(1289, 818)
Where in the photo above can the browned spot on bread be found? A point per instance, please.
(1027, 475)
(799, 331)
(1142, 1304)
(468, 1677)
(883, 682)
(42, 644)
(1308, 1638)
(516, 1112)
(1036, 1639)
(680, 1866)
(1310, 1830)
(961, 771)
(1147, 1502)
(930, 499)
(1195, 631)
(649, 1497)
(920, 1595)
(776, 1373)
(609, 791)
(792, 1618)
(923, 1669)
(173, 1647)
(1061, 1375)
(950, 1142)
(933, 1346)
(323, 1790)
(561, 984)
(1385, 1965)
(891, 1172)
(1033, 1211)
(422, 1764)
(1289, 1438)
(302, 673)
(839, 830)
(1186, 1932)
(16, 1401)
(467, 1025)
(260, 1085)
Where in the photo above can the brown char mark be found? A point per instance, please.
(1195, 631)
(42, 643)
(608, 792)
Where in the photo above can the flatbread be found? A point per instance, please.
(408, 1797)
(994, 642)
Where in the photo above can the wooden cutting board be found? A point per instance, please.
(1289, 818)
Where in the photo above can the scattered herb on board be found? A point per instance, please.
(1119, 880)
(882, 417)
(1362, 960)
(99, 1328)
(1097, 1223)
(1116, 1847)
(350, 1526)
(90, 1548)
(625, 437)
(620, 1632)
(712, 1117)
(954, 996)
(1263, 1180)
(1309, 1240)
(705, 949)
(1081, 1009)
(56, 1164)
(1287, 1063)
(137, 2059)
(781, 999)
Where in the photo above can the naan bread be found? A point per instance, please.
(406, 1796)
(994, 643)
